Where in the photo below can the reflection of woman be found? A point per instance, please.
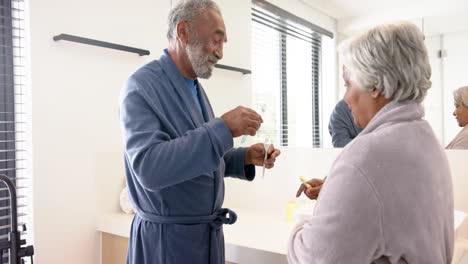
(461, 114)
(388, 197)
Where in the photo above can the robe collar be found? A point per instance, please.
(178, 82)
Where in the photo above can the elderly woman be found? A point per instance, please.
(388, 197)
(461, 114)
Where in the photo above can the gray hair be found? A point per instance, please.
(391, 58)
(460, 96)
(187, 10)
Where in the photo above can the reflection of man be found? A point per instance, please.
(342, 127)
(176, 153)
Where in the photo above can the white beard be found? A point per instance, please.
(200, 61)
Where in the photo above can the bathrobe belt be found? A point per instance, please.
(215, 220)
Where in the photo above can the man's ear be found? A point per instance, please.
(182, 32)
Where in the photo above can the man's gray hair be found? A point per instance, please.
(391, 58)
(187, 10)
(460, 96)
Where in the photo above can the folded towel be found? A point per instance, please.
(125, 203)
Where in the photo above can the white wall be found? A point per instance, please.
(75, 112)
(307, 12)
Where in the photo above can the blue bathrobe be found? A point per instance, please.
(176, 158)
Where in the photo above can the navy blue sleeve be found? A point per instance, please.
(340, 126)
(235, 166)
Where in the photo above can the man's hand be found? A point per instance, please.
(313, 192)
(256, 155)
(242, 121)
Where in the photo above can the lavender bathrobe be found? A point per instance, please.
(460, 141)
(176, 159)
(388, 198)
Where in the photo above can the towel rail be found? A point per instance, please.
(99, 43)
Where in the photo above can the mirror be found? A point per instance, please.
(446, 37)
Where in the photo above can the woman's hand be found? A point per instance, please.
(313, 191)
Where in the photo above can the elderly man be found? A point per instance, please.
(388, 197)
(176, 152)
(461, 114)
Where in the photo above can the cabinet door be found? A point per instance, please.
(114, 249)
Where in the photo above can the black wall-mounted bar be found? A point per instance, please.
(99, 43)
(230, 68)
(140, 52)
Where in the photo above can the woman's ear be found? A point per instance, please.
(375, 93)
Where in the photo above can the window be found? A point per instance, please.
(286, 76)
(14, 124)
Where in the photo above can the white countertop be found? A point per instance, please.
(252, 230)
(459, 217)
(259, 231)
(115, 223)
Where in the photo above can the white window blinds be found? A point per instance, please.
(14, 117)
(286, 76)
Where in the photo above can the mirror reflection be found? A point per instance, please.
(446, 36)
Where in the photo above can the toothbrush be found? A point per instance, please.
(266, 145)
(304, 181)
(244, 138)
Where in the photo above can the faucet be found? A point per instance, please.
(15, 243)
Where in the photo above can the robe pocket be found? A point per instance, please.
(187, 243)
